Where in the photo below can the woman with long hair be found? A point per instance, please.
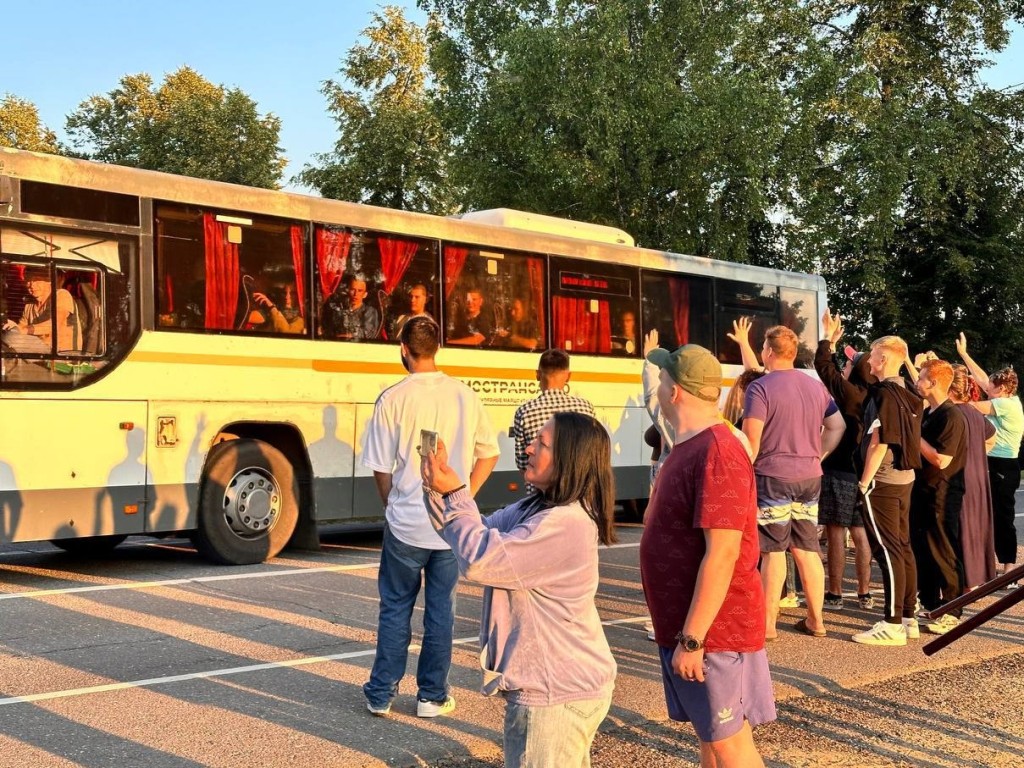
(976, 540)
(541, 640)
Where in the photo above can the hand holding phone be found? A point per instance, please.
(428, 442)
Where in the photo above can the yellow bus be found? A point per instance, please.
(182, 356)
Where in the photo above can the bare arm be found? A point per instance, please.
(983, 406)
(933, 457)
(976, 370)
(383, 481)
(873, 459)
(753, 429)
(832, 432)
(481, 471)
(713, 578)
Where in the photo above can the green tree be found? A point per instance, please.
(21, 128)
(392, 149)
(664, 119)
(909, 148)
(187, 126)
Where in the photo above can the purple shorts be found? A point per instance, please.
(736, 687)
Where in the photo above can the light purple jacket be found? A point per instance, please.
(541, 639)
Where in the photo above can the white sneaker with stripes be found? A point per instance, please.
(912, 628)
(883, 633)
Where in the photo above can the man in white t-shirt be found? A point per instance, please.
(425, 399)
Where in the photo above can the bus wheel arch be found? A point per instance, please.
(250, 496)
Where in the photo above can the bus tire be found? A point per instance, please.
(248, 503)
(89, 545)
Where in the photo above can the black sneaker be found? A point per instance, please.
(833, 602)
(867, 601)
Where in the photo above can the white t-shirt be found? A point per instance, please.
(431, 401)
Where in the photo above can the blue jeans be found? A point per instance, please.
(558, 736)
(398, 581)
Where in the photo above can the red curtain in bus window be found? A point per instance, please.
(395, 257)
(454, 260)
(535, 273)
(223, 276)
(680, 293)
(331, 256)
(585, 331)
(168, 294)
(299, 262)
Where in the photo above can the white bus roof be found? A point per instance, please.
(550, 225)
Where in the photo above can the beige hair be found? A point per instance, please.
(893, 344)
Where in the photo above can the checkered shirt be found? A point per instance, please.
(534, 414)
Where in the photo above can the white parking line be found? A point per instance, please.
(205, 579)
(306, 661)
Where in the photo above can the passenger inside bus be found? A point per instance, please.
(279, 310)
(33, 332)
(625, 342)
(418, 297)
(473, 325)
(346, 315)
(522, 332)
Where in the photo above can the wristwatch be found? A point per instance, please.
(689, 642)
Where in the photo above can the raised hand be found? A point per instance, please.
(651, 342)
(436, 474)
(833, 326)
(961, 345)
(741, 331)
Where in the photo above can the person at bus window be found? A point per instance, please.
(418, 297)
(473, 325)
(522, 333)
(282, 315)
(625, 342)
(347, 316)
(33, 332)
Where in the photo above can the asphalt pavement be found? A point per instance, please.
(151, 657)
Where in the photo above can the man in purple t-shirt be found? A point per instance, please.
(792, 423)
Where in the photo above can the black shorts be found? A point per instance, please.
(839, 503)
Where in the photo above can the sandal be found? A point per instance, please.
(801, 626)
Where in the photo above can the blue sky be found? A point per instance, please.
(60, 53)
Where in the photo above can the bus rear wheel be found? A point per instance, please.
(248, 503)
(89, 545)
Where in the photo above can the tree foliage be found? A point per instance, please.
(21, 128)
(187, 126)
(392, 149)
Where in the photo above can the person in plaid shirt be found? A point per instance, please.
(552, 375)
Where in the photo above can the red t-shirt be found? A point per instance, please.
(706, 482)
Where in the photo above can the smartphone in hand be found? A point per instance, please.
(428, 442)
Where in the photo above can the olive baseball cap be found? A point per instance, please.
(693, 368)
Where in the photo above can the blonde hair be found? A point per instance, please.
(891, 344)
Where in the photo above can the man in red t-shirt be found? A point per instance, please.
(698, 563)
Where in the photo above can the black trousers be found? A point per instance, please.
(887, 522)
(1004, 476)
(935, 539)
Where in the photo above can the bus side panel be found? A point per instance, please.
(70, 468)
(332, 454)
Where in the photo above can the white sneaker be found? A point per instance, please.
(435, 708)
(942, 625)
(379, 711)
(912, 628)
(883, 633)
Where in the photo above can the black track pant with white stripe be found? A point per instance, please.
(887, 522)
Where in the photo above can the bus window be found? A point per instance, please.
(679, 308)
(369, 283)
(800, 314)
(229, 272)
(66, 304)
(736, 299)
(494, 298)
(595, 308)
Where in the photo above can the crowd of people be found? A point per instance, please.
(915, 459)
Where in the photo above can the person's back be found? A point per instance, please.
(552, 376)
(792, 406)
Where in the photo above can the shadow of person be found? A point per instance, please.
(11, 503)
(126, 488)
(333, 463)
